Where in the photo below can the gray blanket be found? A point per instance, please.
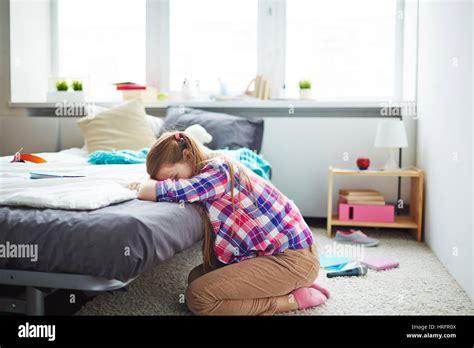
(116, 242)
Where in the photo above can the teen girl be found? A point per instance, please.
(258, 253)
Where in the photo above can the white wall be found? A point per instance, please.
(301, 149)
(445, 63)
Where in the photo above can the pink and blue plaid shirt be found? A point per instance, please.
(264, 222)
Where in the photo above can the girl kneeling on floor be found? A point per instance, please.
(258, 252)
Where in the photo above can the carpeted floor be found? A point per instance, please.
(420, 286)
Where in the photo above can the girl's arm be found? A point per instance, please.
(146, 190)
(208, 185)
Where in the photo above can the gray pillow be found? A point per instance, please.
(228, 131)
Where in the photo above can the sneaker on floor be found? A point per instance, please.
(356, 237)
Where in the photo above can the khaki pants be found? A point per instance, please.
(250, 287)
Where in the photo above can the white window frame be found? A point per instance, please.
(54, 38)
(271, 42)
(158, 43)
(399, 26)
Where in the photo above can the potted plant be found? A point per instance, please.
(77, 85)
(62, 86)
(305, 89)
(78, 93)
(60, 92)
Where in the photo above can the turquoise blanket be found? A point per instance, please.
(247, 157)
(251, 160)
(118, 157)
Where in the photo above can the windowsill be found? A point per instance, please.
(258, 104)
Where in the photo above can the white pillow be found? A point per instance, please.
(155, 124)
(199, 133)
(124, 127)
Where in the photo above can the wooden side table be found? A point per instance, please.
(413, 221)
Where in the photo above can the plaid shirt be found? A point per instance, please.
(264, 222)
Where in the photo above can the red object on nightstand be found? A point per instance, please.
(363, 163)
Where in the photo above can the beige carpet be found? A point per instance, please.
(420, 286)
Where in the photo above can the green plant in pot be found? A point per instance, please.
(305, 89)
(62, 86)
(77, 85)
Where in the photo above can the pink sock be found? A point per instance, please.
(308, 297)
(320, 288)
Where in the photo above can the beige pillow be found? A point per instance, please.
(123, 127)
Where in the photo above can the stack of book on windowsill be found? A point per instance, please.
(354, 196)
(131, 90)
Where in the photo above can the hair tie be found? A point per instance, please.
(177, 136)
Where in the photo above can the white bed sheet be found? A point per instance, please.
(101, 186)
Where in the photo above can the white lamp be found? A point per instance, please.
(391, 134)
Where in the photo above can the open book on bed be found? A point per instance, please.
(50, 175)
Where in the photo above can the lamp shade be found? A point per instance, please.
(391, 133)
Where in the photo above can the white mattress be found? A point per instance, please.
(101, 185)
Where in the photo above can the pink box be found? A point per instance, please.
(366, 212)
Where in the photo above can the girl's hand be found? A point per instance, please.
(134, 186)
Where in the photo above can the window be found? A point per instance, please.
(102, 49)
(346, 47)
(351, 50)
(212, 40)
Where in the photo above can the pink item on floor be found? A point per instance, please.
(308, 297)
(324, 291)
(379, 263)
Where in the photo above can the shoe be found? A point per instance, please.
(355, 237)
(308, 297)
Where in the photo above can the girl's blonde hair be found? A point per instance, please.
(168, 149)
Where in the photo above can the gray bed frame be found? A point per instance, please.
(39, 284)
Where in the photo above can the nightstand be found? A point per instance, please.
(412, 221)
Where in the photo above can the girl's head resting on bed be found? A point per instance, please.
(175, 155)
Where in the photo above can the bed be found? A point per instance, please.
(89, 231)
(92, 250)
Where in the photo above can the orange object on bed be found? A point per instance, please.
(23, 157)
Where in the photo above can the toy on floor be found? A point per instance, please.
(26, 157)
(332, 262)
(379, 263)
(359, 270)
